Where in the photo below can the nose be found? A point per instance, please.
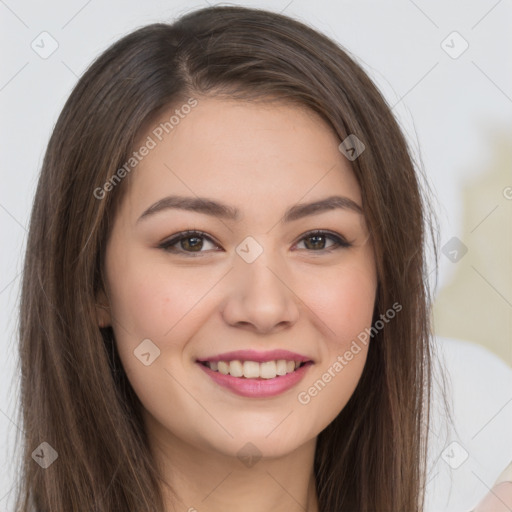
(260, 297)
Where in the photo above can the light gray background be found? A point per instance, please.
(447, 107)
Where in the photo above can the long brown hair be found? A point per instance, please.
(75, 395)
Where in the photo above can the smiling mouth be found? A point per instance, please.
(254, 369)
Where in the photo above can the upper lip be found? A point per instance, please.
(253, 355)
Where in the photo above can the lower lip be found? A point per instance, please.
(258, 388)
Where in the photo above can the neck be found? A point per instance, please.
(197, 479)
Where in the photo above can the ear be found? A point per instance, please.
(103, 316)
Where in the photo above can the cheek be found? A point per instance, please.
(148, 300)
(348, 306)
(152, 301)
(343, 299)
(345, 306)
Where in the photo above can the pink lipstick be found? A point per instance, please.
(255, 374)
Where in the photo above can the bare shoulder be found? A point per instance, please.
(499, 498)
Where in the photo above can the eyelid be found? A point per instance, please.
(189, 233)
(340, 241)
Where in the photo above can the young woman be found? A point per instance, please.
(225, 301)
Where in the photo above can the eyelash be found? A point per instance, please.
(340, 242)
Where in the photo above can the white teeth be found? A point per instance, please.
(236, 369)
(268, 370)
(223, 367)
(281, 367)
(253, 369)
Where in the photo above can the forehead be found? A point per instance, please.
(241, 152)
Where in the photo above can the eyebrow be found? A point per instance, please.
(216, 209)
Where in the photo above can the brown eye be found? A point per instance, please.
(195, 245)
(316, 241)
(192, 242)
(189, 242)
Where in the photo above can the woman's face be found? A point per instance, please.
(259, 282)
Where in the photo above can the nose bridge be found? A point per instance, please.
(256, 266)
(259, 270)
(258, 291)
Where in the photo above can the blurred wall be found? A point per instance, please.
(476, 303)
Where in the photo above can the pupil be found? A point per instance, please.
(196, 245)
(317, 237)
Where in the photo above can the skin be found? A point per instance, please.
(499, 499)
(262, 159)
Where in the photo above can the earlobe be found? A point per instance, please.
(103, 317)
